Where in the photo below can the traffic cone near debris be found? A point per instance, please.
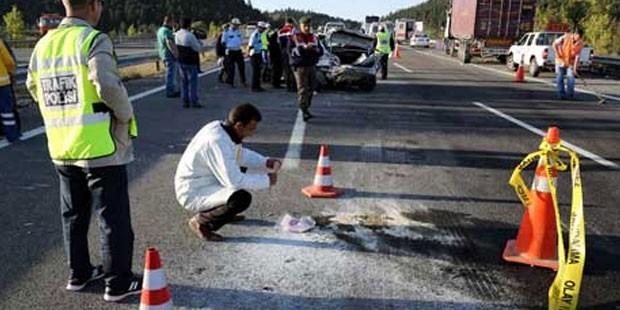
(155, 293)
(520, 74)
(323, 186)
(536, 243)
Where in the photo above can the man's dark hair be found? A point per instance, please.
(578, 31)
(290, 20)
(168, 19)
(244, 114)
(186, 23)
(306, 20)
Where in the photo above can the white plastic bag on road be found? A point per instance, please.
(293, 224)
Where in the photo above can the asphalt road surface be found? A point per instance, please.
(426, 213)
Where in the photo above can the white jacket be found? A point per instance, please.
(210, 170)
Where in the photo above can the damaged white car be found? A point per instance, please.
(348, 61)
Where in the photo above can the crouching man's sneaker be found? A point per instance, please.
(77, 284)
(133, 288)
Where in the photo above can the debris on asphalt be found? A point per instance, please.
(294, 224)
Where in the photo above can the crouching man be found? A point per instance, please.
(216, 173)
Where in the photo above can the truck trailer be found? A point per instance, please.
(486, 28)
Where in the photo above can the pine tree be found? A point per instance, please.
(14, 23)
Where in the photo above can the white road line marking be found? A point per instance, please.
(394, 82)
(538, 80)
(602, 161)
(293, 153)
(402, 67)
(41, 130)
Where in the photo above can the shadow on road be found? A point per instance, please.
(217, 298)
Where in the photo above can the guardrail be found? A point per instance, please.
(118, 41)
(607, 64)
(123, 61)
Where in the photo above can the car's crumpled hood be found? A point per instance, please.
(349, 39)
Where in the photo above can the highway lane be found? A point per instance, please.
(422, 225)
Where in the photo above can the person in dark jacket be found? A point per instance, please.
(285, 35)
(189, 48)
(275, 56)
(305, 52)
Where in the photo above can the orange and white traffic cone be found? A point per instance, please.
(397, 51)
(323, 186)
(520, 74)
(536, 243)
(155, 293)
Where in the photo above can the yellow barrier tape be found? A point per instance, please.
(564, 292)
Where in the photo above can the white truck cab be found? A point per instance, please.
(535, 50)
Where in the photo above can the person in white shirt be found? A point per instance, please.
(216, 173)
(189, 48)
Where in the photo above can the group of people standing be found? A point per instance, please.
(180, 53)
(288, 55)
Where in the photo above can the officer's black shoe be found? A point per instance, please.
(133, 288)
(307, 116)
(77, 284)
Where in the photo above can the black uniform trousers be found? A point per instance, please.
(105, 191)
(235, 57)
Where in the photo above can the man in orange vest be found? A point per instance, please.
(567, 50)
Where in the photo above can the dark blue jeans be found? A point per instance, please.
(560, 73)
(172, 76)
(8, 119)
(102, 190)
(189, 88)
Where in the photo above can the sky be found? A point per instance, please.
(350, 9)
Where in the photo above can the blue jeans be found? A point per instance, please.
(102, 192)
(172, 76)
(560, 73)
(189, 87)
(8, 119)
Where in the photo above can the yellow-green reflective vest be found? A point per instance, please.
(264, 40)
(77, 122)
(383, 43)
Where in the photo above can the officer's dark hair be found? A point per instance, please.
(168, 19)
(78, 4)
(244, 114)
(186, 23)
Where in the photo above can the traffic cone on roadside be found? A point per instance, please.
(155, 293)
(397, 51)
(323, 186)
(520, 74)
(536, 242)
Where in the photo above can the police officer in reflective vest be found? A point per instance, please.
(384, 45)
(89, 123)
